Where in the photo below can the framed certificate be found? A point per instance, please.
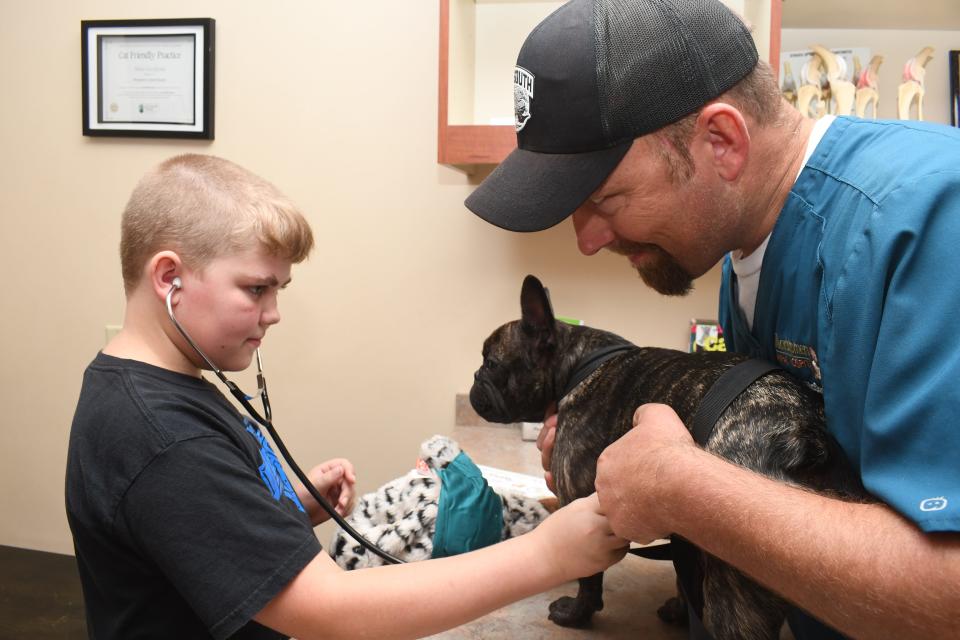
(954, 64)
(148, 78)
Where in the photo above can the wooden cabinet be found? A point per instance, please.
(479, 42)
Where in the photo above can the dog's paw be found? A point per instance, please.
(674, 611)
(573, 612)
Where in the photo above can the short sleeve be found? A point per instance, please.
(896, 361)
(201, 511)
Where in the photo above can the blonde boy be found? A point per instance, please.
(177, 532)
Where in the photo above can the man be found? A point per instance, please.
(652, 123)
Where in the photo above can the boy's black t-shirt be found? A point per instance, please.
(184, 523)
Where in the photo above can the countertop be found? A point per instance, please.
(633, 589)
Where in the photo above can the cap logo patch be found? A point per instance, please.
(522, 95)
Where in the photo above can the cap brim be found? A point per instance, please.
(532, 191)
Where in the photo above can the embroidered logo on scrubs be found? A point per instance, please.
(271, 471)
(798, 356)
(933, 504)
(522, 95)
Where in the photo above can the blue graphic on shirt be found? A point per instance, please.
(271, 471)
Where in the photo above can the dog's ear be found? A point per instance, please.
(536, 312)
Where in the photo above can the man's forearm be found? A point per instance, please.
(859, 567)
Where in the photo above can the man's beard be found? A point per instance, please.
(659, 270)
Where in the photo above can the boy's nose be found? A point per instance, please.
(270, 314)
(593, 231)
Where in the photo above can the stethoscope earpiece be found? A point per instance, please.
(176, 283)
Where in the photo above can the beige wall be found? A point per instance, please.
(336, 103)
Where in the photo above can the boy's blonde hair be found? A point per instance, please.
(204, 207)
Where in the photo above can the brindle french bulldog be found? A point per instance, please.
(775, 427)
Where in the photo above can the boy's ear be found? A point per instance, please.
(536, 312)
(161, 270)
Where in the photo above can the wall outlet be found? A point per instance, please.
(530, 430)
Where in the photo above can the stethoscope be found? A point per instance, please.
(266, 420)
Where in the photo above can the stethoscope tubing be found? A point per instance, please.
(266, 421)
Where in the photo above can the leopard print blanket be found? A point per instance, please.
(400, 517)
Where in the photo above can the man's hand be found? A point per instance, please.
(545, 440)
(335, 480)
(634, 473)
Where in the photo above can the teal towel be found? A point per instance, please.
(470, 513)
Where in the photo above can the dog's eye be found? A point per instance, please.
(491, 364)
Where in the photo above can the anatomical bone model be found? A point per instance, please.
(824, 87)
(810, 95)
(911, 89)
(841, 90)
(868, 89)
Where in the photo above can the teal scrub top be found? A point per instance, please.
(859, 296)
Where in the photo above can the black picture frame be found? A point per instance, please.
(148, 78)
(954, 64)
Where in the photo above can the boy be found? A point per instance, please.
(176, 533)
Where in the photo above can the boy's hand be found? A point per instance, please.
(580, 539)
(335, 480)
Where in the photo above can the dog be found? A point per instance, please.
(775, 427)
(401, 516)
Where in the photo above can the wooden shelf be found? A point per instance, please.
(475, 144)
(467, 144)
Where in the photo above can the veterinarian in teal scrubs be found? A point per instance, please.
(669, 143)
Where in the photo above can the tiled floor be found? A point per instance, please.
(40, 596)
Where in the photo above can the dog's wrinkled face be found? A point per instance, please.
(515, 382)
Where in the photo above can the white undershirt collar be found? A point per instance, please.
(747, 268)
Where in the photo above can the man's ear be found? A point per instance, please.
(536, 312)
(161, 270)
(722, 130)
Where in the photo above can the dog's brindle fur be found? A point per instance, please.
(775, 427)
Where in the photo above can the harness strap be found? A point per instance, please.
(592, 361)
(724, 391)
(686, 557)
(661, 551)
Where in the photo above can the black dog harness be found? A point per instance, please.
(685, 556)
(727, 388)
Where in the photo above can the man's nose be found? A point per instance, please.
(593, 231)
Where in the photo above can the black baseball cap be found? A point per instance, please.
(592, 77)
